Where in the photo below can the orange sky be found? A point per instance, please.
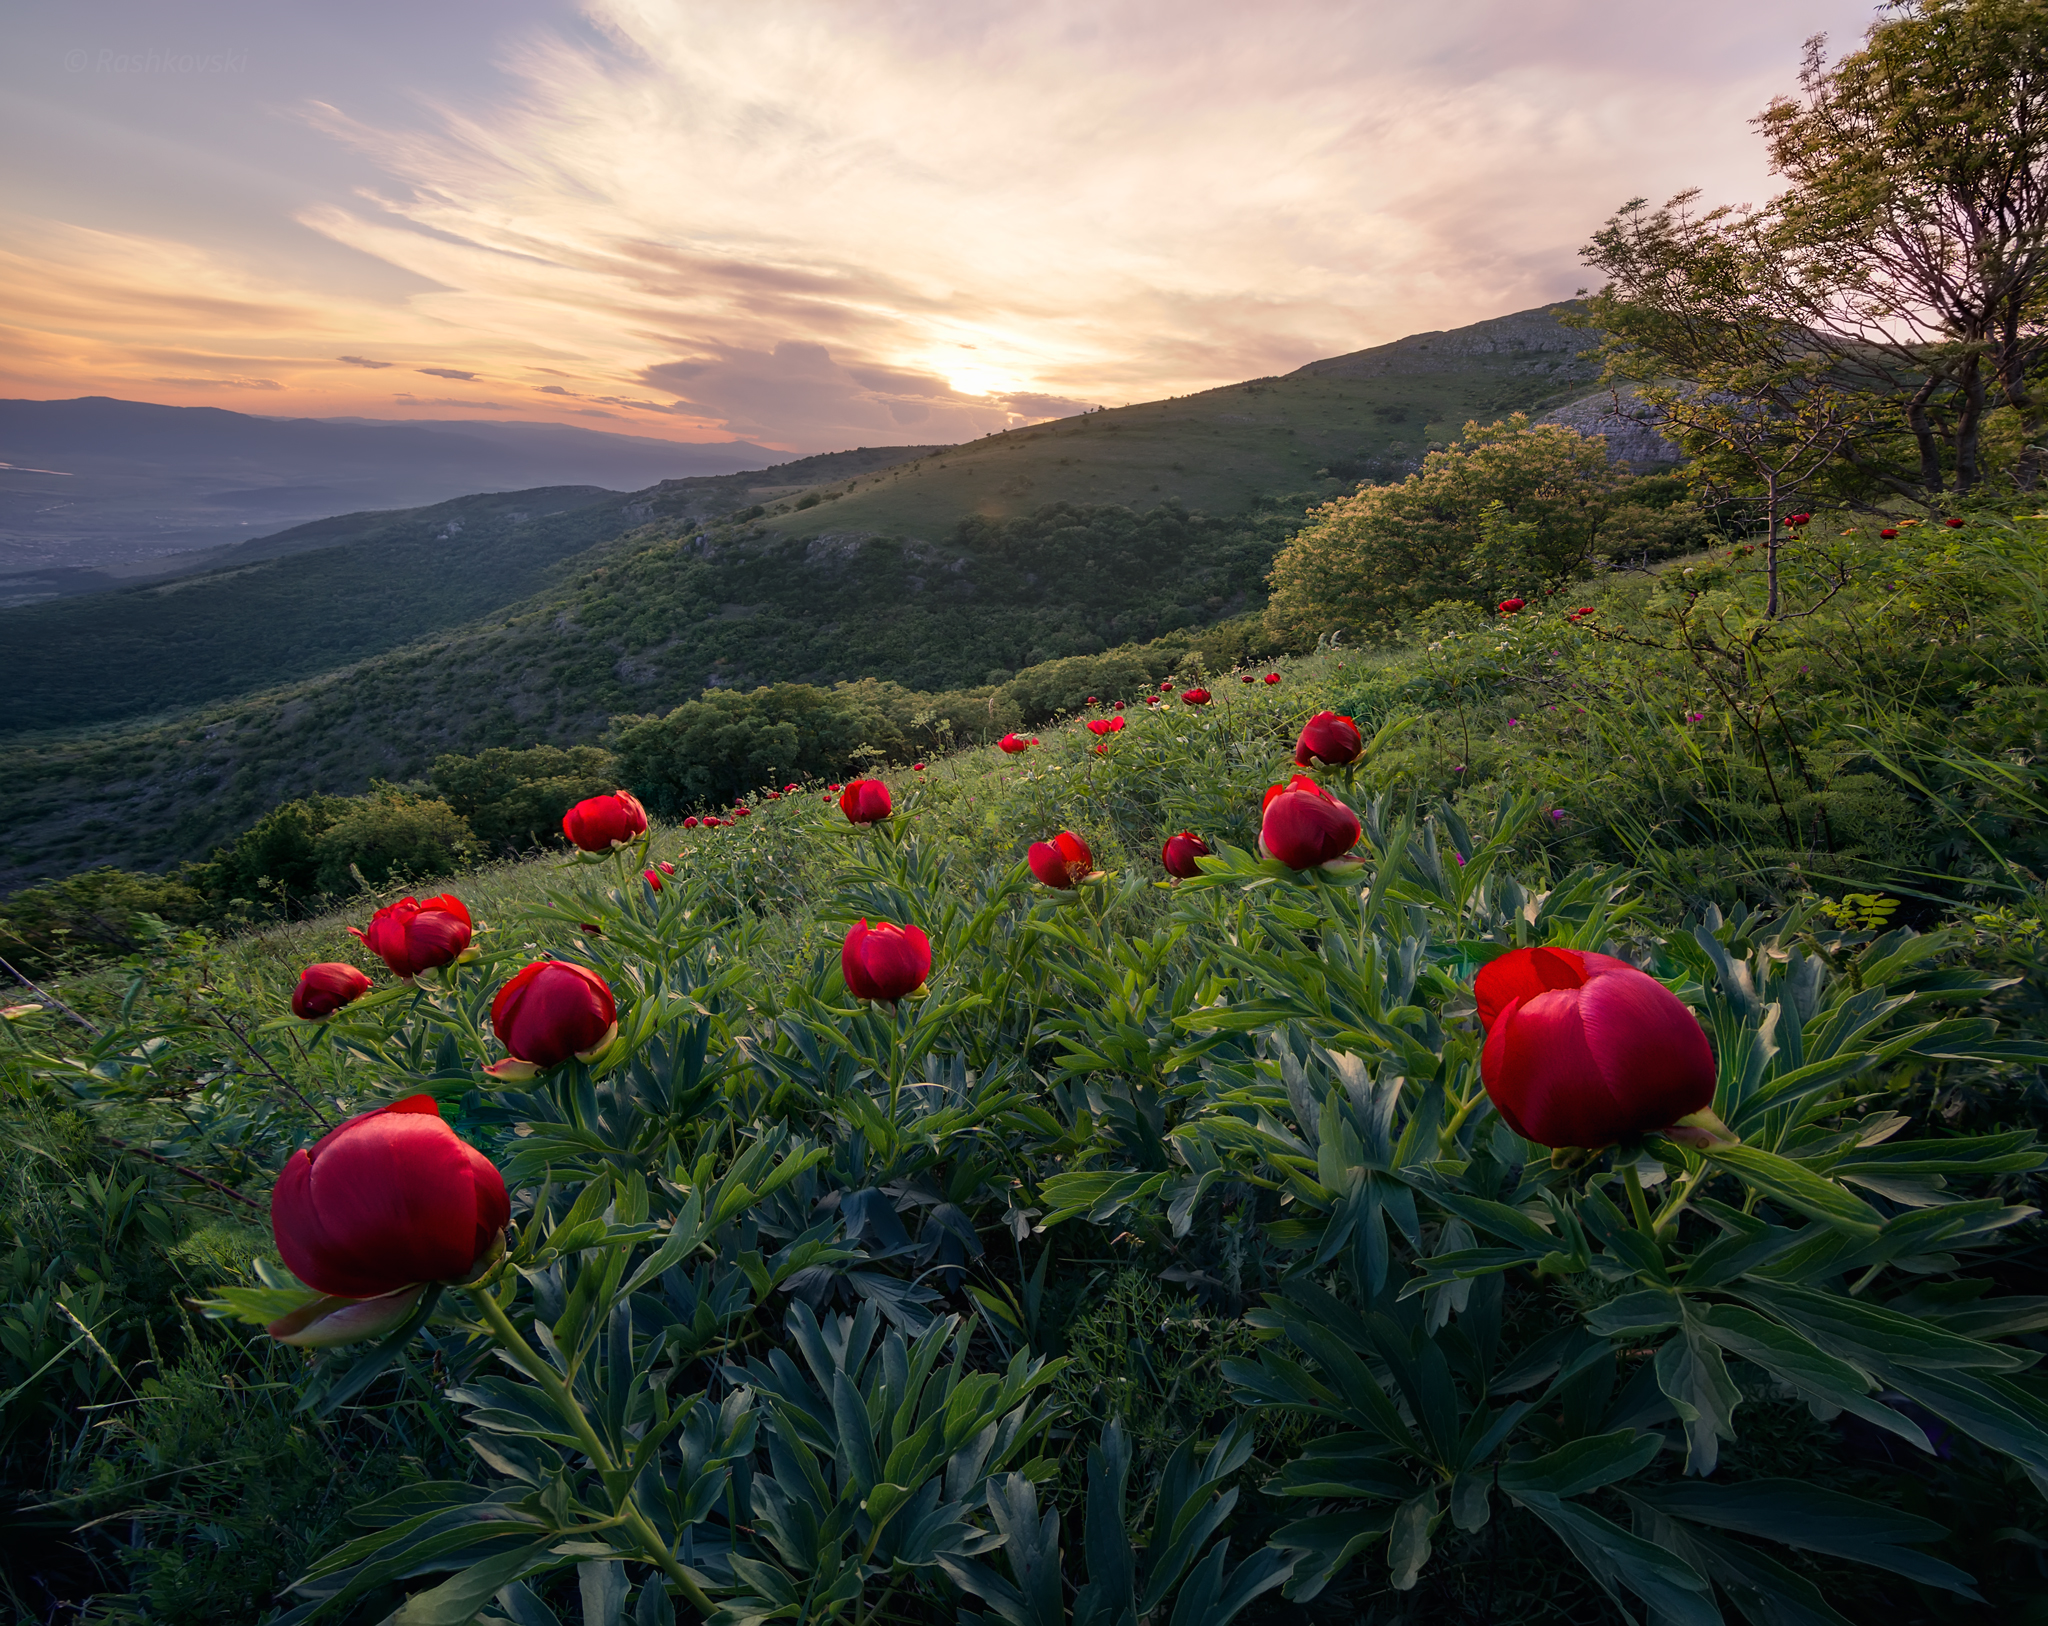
(817, 223)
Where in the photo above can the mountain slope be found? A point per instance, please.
(339, 590)
(1370, 414)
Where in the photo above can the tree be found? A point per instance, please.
(1900, 277)
(1512, 508)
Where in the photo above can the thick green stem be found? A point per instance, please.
(1637, 1205)
(536, 1367)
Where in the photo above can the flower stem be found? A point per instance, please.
(1636, 1203)
(531, 1363)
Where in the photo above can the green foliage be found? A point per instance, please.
(385, 580)
(513, 800)
(949, 1308)
(1510, 510)
(99, 913)
(326, 846)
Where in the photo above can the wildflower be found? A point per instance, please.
(597, 824)
(1061, 863)
(1303, 825)
(1328, 740)
(884, 961)
(550, 1011)
(1583, 1049)
(324, 988)
(1180, 852)
(865, 801)
(384, 1202)
(410, 936)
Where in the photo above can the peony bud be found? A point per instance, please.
(1508, 606)
(866, 801)
(597, 824)
(884, 961)
(324, 988)
(1328, 740)
(550, 1011)
(1180, 853)
(1583, 1049)
(1271, 677)
(1061, 863)
(385, 1200)
(1303, 825)
(1011, 745)
(411, 936)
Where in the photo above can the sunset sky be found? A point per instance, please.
(817, 225)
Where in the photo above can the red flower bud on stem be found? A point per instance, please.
(1583, 1049)
(412, 936)
(597, 824)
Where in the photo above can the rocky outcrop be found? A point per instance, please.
(1629, 424)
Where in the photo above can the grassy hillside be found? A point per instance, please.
(1368, 415)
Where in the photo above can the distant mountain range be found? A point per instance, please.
(95, 491)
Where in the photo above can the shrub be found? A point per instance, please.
(391, 835)
(91, 915)
(514, 799)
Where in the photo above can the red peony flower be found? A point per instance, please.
(884, 961)
(1196, 697)
(1061, 863)
(1953, 524)
(1248, 678)
(1105, 725)
(599, 823)
(1303, 825)
(550, 1011)
(1330, 740)
(1180, 852)
(691, 822)
(385, 1200)
(652, 878)
(1011, 745)
(410, 936)
(1508, 606)
(324, 988)
(1583, 1049)
(1888, 534)
(866, 801)
(1272, 677)
(666, 867)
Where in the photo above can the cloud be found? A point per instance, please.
(222, 383)
(454, 401)
(797, 395)
(816, 225)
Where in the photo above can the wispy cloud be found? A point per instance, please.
(813, 224)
